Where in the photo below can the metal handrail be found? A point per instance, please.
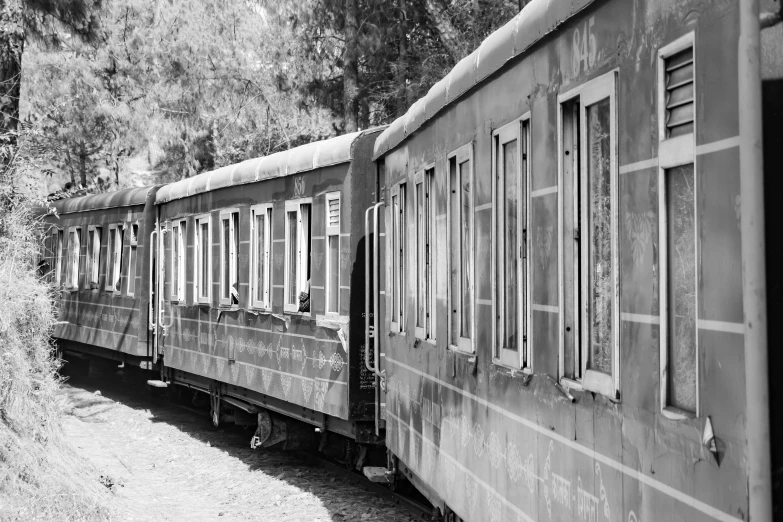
(367, 264)
(371, 261)
(151, 317)
(376, 290)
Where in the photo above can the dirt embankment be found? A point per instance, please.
(163, 462)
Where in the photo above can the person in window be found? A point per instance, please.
(234, 294)
(304, 298)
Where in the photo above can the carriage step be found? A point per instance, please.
(157, 384)
(378, 474)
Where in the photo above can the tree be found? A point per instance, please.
(371, 58)
(170, 90)
(20, 19)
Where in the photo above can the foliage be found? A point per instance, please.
(40, 477)
(166, 89)
(169, 89)
(402, 48)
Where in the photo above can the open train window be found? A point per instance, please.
(133, 242)
(461, 248)
(678, 237)
(298, 239)
(261, 248)
(74, 249)
(114, 269)
(511, 182)
(398, 257)
(179, 250)
(94, 250)
(588, 169)
(425, 223)
(202, 279)
(229, 252)
(333, 253)
(58, 255)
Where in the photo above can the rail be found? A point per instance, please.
(370, 263)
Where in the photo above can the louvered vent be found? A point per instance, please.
(333, 213)
(679, 93)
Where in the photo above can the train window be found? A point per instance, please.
(94, 249)
(115, 258)
(398, 257)
(229, 245)
(510, 149)
(178, 260)
(297, 256)
(74, 249)
(431, 272)
(424, 226)
(133, 228)
(203, 264)
(333, 253)
(261, 248)
(461, 248)
(588, 143)
(58, 256)
(678, 230)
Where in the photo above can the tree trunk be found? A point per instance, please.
(449, 35)
(11, 48)
(83, 165)
(351, 68)
(405, 94)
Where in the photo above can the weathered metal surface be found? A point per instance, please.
(497, 444)
(109, 200)
(92, 314)
(300, 159)
(304, 359)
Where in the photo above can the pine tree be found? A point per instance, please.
(22, 19)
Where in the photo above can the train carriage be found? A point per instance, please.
(564, 290)
(97, 253)
(262, 280)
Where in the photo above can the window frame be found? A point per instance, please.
(420, 238)
(179, 231)
(59, 245)
(231, 257)
(429, 183)
(133, 242)
(461, 155)
(198, 267)
(266, 303)
(425, 254)
(295, 205)
(588, 94)
(114, 247)
(521, 359)
(332, 231)
(73, 258)
(94, 252)
(399, 275)
(674, 152)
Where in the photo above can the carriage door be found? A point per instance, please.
(373, 354)
(156, 282)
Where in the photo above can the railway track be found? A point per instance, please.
(417, 509)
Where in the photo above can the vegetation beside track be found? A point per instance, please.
(41, 477)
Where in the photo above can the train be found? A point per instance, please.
(540, 294)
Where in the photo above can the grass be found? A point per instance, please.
(40, 476)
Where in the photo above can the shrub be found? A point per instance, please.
(40, 476)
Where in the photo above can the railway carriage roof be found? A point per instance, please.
(120, 198)
(536, 20)
(299, 159)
